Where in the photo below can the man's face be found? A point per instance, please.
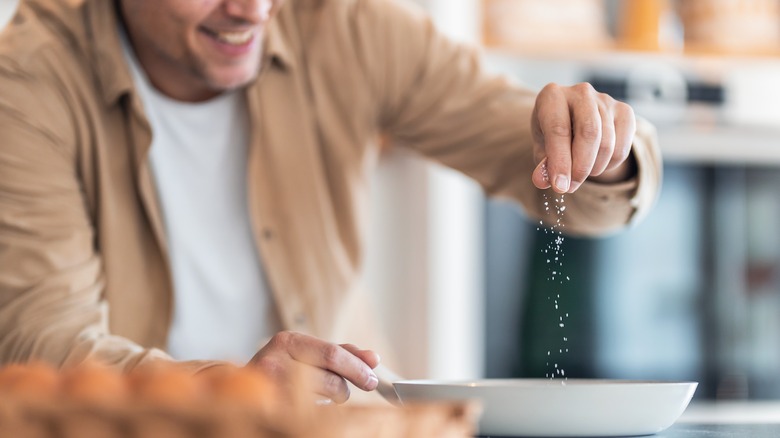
(193, 50)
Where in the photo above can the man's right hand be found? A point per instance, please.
(296, 361)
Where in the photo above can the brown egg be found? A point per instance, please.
(167, 384)
(93, 383)
(244, 386)
(34, 380)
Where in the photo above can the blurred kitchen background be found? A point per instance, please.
(693, 292)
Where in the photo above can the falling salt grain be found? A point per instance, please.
(555, 273)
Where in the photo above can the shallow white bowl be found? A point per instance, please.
(573, 407)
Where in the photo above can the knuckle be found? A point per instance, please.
(331, 354)
(606, 99)
(336, 388)
(282, 338)
(270, 365)
(607, 146)
(589, 131)
(580, 172)
(584, 88)
(624, 110)
(552, 86)
(559, 128)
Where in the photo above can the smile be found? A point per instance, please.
(232, 38)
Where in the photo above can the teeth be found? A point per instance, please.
(235, 38)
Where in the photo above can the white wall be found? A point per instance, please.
(7, 9)
(425, 254)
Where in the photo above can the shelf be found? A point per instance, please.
(708, 109)
(731, 145)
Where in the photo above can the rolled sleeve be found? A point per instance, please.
(438, 100)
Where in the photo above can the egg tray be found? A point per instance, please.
(66, 419)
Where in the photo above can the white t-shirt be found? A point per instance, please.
(222, 305)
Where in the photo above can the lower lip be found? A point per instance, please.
(231, 50)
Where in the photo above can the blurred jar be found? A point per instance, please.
(731, 26)
(545, 24)
(648, 25)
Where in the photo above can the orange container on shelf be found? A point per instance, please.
(731, 26)
(642, 25)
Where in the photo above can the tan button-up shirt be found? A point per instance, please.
(83, 268)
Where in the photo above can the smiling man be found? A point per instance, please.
(193, 51)
(185, 180)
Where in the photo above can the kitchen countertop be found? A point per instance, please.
(683, 430)
(727, 419)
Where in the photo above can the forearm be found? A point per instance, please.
(65, 329)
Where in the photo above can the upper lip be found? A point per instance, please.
(232, 30)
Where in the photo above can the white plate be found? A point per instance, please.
(574, 407)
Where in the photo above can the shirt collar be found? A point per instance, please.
(277, 45)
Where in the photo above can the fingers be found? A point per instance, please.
(552, 121)
(607, 145)
(625, 128)
(578, 133)
(334, 358)
(369, 357)
(323, 367)
(586, 122)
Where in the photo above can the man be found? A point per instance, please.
(191, 176)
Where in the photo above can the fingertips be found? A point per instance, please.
(558, 171)
(541, 175)
(362, 375)
(561, 184)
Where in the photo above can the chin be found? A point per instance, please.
(230, 80)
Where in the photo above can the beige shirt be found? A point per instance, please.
(83, 265)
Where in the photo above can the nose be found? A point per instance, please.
(249, 10)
